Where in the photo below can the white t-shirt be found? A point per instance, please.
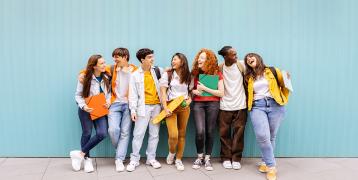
(234, 98)
(261, 88)
(122, 86)
(177, 89)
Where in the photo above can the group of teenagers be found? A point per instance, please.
(135, 95)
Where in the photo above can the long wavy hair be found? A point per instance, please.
(210, 66)
(259, 69)
(184, 72)
(92, 62)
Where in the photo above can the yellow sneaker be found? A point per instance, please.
(263, 168)
(271, 173)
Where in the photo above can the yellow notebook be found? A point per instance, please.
(171, 106)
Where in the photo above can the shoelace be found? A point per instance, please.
(227, 164)
(154, 162)
(198, 161)
(170, 157)
(207, 162)
(179, 163)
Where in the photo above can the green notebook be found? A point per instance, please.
(210, 81)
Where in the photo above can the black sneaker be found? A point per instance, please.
(198, 163)
(208, 165)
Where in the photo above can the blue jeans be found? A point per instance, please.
(140, 127)
(120, 125)
(266, 116)
(100, 125)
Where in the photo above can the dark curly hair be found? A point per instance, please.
(223, 51)
(142, 53)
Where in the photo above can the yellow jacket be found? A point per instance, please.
(277, 89)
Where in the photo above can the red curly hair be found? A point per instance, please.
(210, 66)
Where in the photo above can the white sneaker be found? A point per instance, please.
(88, 166)
(132, 165)
(154, 163)
(76, 159)
(236, 165)
(119, 165)
(170, 158)
(227, 164)
(179, 164)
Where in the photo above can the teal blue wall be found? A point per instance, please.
(44, 44)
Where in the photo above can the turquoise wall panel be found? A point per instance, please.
(44, 44)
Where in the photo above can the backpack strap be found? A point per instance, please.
(238, 64)
(170, 77)
(157, 72)
(241, 68)
(273, 70)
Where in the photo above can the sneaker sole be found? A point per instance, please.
(153, 166)
(89, 171)
(134, 168)
(75, 170)
(130, 170)
(261, 171)
(120, 170)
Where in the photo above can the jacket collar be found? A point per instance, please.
(141, 70)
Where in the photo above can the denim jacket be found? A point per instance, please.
(94, 90)
(136, 97)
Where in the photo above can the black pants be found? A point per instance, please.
(205, 117)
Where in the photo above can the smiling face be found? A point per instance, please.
(121, 61)
(100, 66)
(201, 60)
(148, 60)
(176, 62)
(251, 61)
(231, 56)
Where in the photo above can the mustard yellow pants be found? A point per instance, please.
(176, 124)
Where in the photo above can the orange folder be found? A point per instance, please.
(96, 102)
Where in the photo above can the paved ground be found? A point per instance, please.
(289, 169)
